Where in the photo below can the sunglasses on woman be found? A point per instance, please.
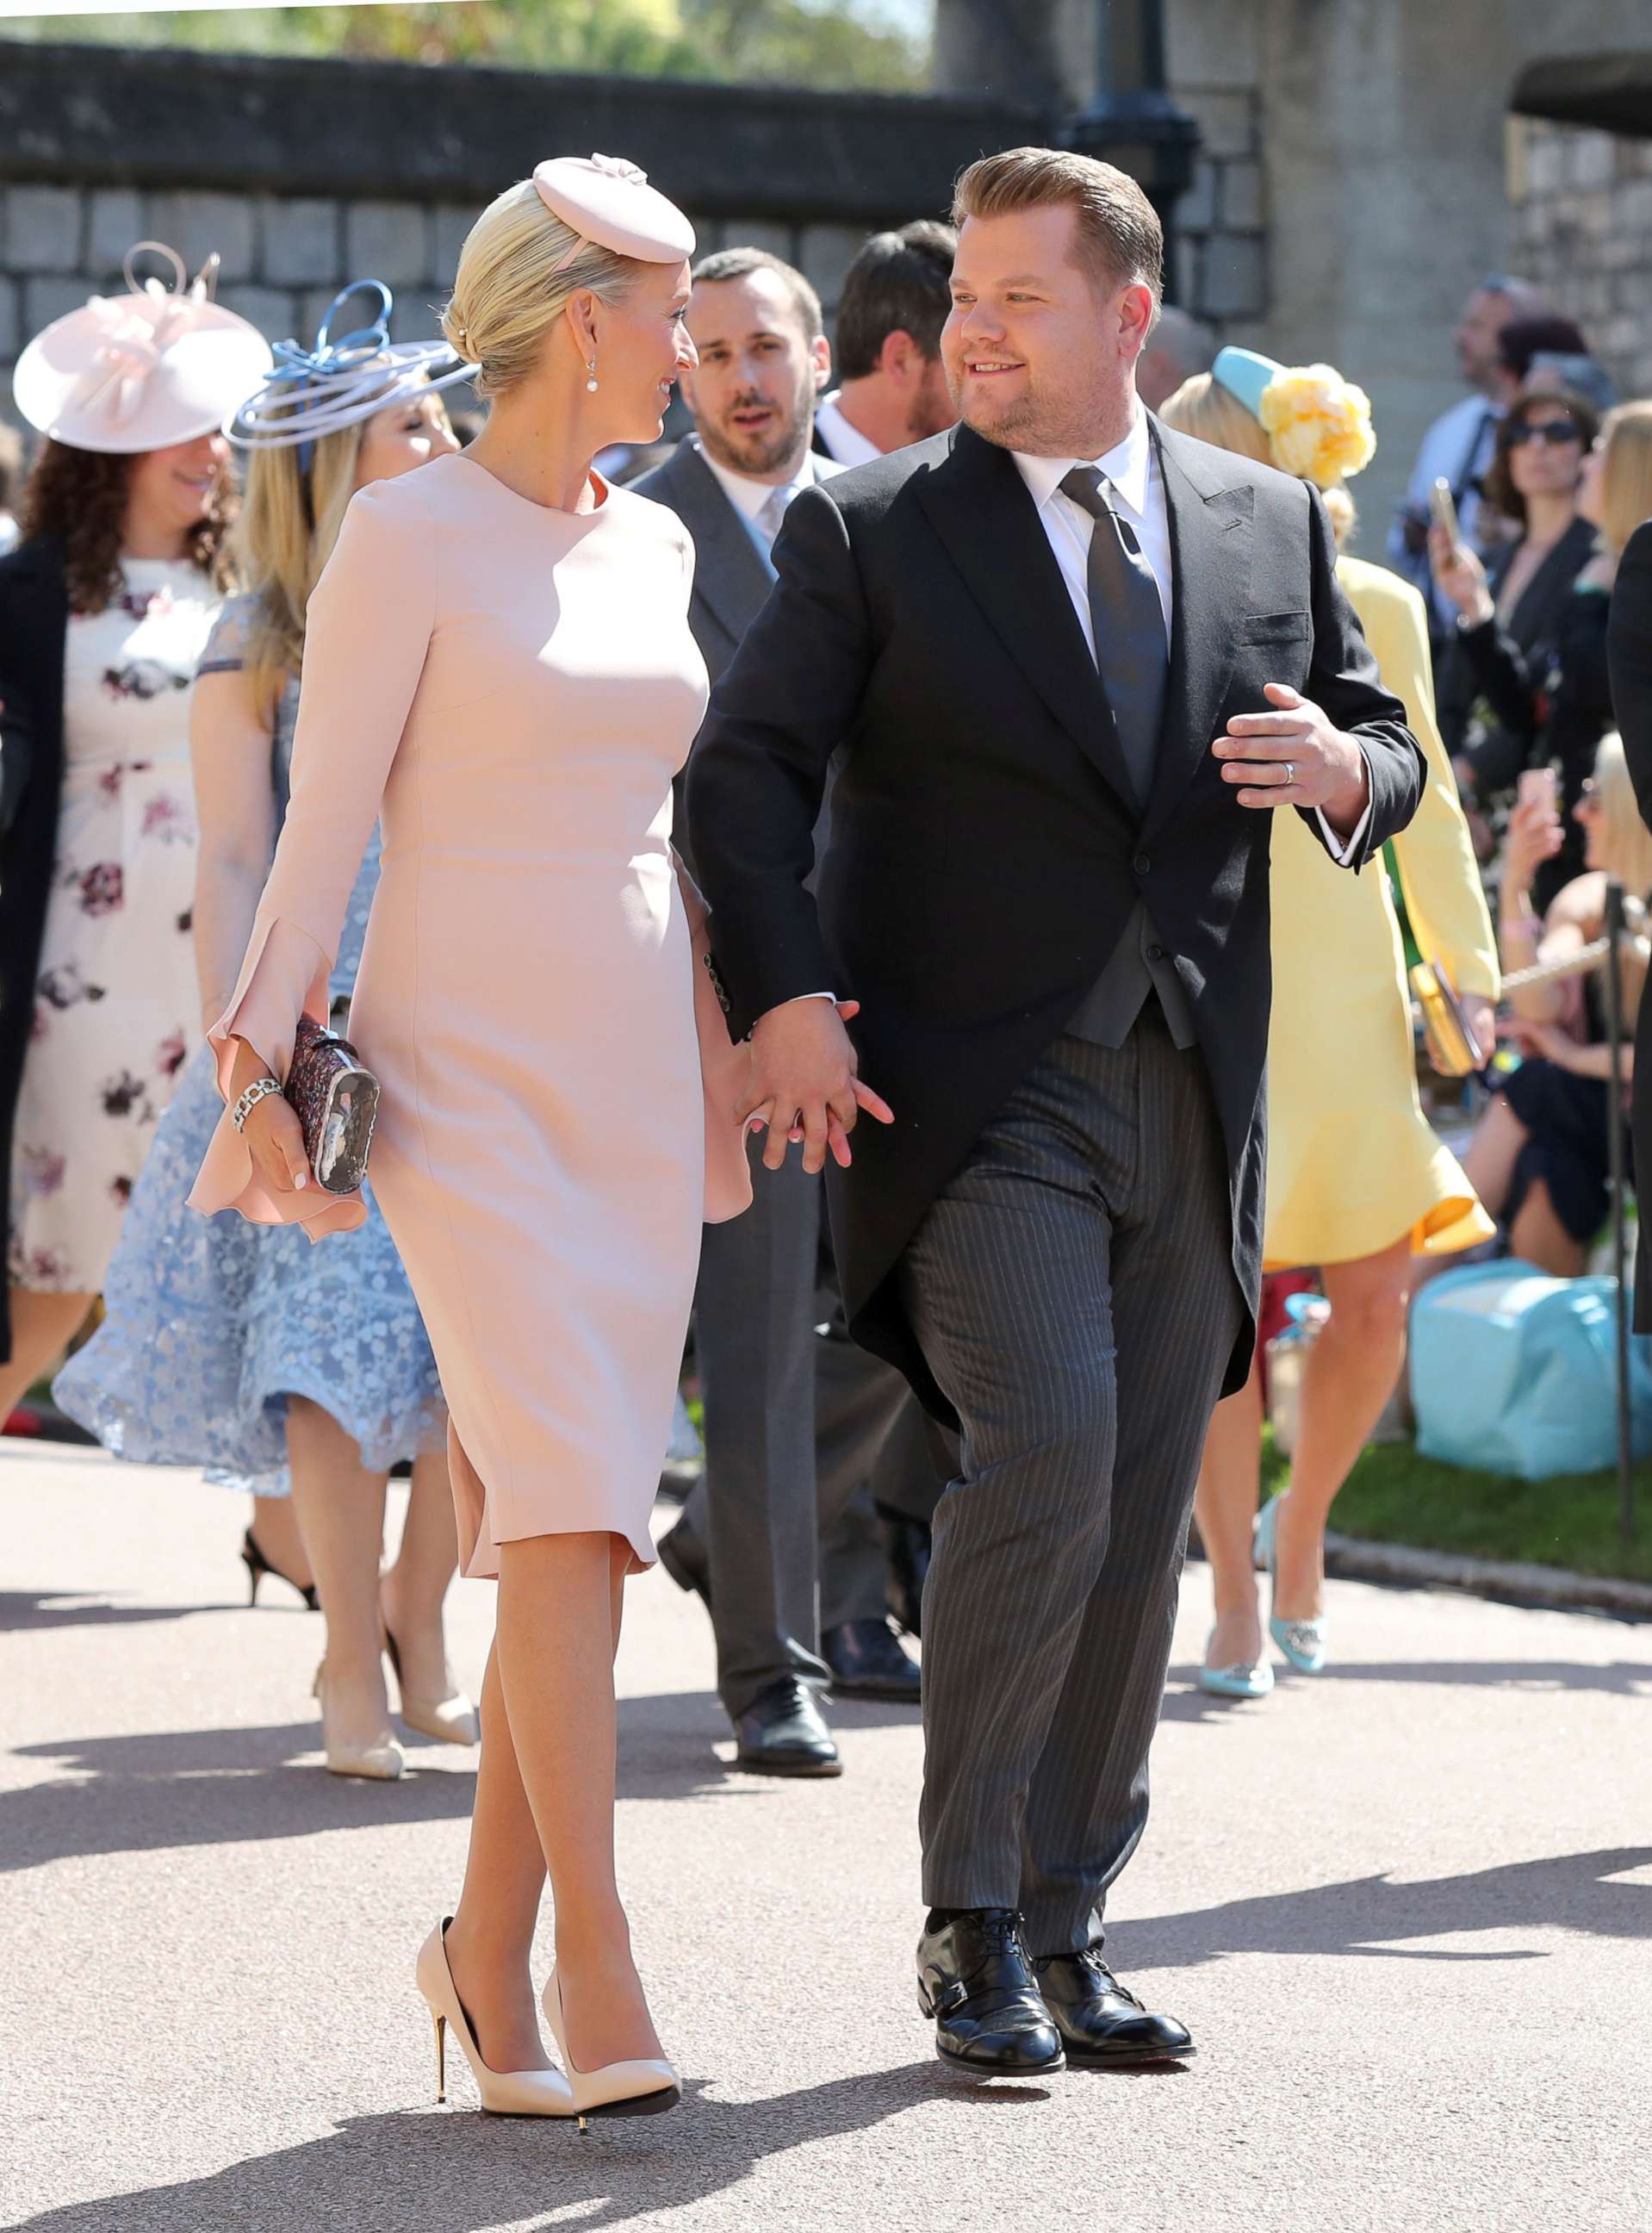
(1556, 433)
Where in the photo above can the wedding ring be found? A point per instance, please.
(1289, 773)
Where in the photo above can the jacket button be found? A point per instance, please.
(1141, 865)
(1155, 953)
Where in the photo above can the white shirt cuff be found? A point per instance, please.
(1344, 850)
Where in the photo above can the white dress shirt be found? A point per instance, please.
(843, 442)
(752, 499)
(1136, 491)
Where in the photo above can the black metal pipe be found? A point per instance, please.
(1615, 933)
(1131, 121)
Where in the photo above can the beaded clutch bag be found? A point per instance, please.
(337, 1104)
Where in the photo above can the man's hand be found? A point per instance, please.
(803, 1083)
(1293, 757)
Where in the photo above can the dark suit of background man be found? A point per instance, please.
(794, 1425)
(1067, 660)
(1629, 647)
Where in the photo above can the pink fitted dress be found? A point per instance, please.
(509, 689)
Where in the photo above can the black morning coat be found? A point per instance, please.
(986, 854)
(1629, 651)
(33, 621)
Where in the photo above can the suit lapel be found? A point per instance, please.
(1210, 561)
(729, 573)
(981, 509)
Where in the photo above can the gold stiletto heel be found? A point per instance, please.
(505, 2093)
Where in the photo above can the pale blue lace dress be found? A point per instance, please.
(212, 1322)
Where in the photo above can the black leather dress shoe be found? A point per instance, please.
(781, 1733)
(867, 1660)
(683, 1557)
(975, 1979)
(908, 1546)
(1100, 2020)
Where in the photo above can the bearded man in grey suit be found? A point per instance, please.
(779, 1537)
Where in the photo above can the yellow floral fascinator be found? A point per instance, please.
(1319, 424)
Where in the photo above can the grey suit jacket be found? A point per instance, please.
(732, 583)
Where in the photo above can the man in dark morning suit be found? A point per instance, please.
(776, 1537)
(1068, 662)
(1628, 650)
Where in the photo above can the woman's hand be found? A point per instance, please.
(274, 1137)
(1534, 836)
(1461, 574)
(1545, 1040)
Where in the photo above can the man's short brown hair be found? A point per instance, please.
(1120, 241)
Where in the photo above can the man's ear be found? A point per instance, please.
(896, 357)
(820, 352)
(1136, 311)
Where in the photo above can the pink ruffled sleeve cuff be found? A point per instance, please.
(283, 977)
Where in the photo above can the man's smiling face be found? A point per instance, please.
(1039, 350)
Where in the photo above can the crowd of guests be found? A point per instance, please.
(154, 619)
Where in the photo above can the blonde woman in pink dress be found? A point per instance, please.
(499, 668)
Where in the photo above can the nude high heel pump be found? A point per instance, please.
(381, 1763)
(450, 1721)
(504, 2092)
(641, 2088)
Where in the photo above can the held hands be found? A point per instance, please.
(803, 1085)
(274, 1135)
(1293, 757)
(1459, 574)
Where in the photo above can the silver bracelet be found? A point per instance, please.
(260, 1090)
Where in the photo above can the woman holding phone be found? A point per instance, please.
(1554, 704)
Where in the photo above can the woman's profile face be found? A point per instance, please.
(171, 489)
(408, 433)
(642, 346)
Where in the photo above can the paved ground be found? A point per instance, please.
(1405, 1909)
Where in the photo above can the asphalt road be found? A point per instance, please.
(1406, 1909)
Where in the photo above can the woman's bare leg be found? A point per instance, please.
(559, 1619)
(1491, 1155)
(43, 1326)
(340, 1514)
(1224, 1507)
(277, 1533)
(413, 1591)
(1536, 1236)
(1349, 1374)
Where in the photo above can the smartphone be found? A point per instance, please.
(1537, 788)
(1444, 508)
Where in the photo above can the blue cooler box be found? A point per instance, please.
(1515, 1372)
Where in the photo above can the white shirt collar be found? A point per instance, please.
(1127, 465)
(748, 496)
(846, 444)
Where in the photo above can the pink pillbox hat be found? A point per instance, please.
(609, 200)
(143, 370)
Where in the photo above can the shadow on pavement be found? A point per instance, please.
(69, 1609)
(464, 2172)
(160, 1789)
(1374, 1915)
(1185, 1701)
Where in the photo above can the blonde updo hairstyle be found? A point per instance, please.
(508, 293)
(1202, 407)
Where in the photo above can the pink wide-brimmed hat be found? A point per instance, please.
(609, 200)
(143, 370)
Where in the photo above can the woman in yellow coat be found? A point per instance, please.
(1357, 1182)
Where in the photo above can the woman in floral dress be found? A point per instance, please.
(106, 606)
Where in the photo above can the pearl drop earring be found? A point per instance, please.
(590, 385)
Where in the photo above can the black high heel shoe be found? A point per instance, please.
(258, 1566)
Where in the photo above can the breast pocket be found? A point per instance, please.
(1285, 629)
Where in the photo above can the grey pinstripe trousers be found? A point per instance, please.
(1074, 1294)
